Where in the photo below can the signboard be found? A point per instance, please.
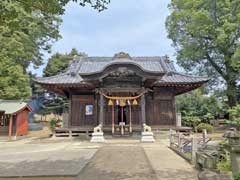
(89, 109)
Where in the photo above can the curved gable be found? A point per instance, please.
(123, 68)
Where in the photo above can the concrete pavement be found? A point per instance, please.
(72, 159)
(44, 159)
(118, 163)
(167, 164)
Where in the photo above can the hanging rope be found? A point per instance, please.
(122, 98)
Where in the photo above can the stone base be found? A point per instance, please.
(97, 137)
(147, 137)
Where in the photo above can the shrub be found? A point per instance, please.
(224, 165)
(236, 176)
(224, 162)
(235, 116)
(206, 126)
(54, 122)
(190, 120)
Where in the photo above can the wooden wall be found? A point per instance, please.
(160, 108)
(22, 122)
(19, 124)
(78, 116)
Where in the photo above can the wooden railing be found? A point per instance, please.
(187, 146)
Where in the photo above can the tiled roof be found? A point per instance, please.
(12, 106)
(83, 65)
(180, 78)
(91, 65)
(63, 78)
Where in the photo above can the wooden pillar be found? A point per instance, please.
(174, 113)
(101, 109)
(70, 111)
(170, 137)
(10, 127)
(16, 129)
(122, 132)
(113, 119)
(143, 109)
(130, 119)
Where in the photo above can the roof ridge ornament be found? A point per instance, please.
(122, 55)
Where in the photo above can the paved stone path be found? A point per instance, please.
(118, 162)
(167, 164)
(137, 161)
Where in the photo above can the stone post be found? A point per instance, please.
(204, 135)
(65, 120)
(53, 133)
(179, 119)
(179, 140)
(70, 134)
(194, 149)
(234, 148)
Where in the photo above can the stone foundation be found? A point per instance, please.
(147, 137)
(97, 137)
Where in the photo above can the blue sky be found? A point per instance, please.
(135, 26)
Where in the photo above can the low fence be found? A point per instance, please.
(187, 146)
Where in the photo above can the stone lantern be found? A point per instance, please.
(234, 149)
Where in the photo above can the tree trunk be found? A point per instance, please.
(231, 79)
(232, 93)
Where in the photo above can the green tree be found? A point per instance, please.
(195, 104)
(58, 63)
(25, 32)
(27, 29)
(206, 36)
(235, 116)
(14, 83)
(191, 120)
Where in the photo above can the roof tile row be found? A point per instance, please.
(90, 65)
